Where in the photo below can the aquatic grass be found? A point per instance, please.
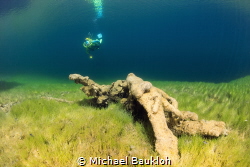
(224, 151)
(57, 133)
(228, 102)
(51, 133)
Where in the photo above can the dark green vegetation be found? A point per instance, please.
(42, 132)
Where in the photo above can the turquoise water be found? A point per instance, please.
(155, 39)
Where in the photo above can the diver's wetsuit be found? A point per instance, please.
(92, 45)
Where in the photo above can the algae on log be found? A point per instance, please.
(162, 110)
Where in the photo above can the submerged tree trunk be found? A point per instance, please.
(162, 110)
(148, 96)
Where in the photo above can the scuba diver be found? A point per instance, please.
(92, 45)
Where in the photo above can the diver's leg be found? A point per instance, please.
(87, 51)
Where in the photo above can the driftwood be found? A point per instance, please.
(162, 110)
(103, 94)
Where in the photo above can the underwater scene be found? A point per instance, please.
(136, 63)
